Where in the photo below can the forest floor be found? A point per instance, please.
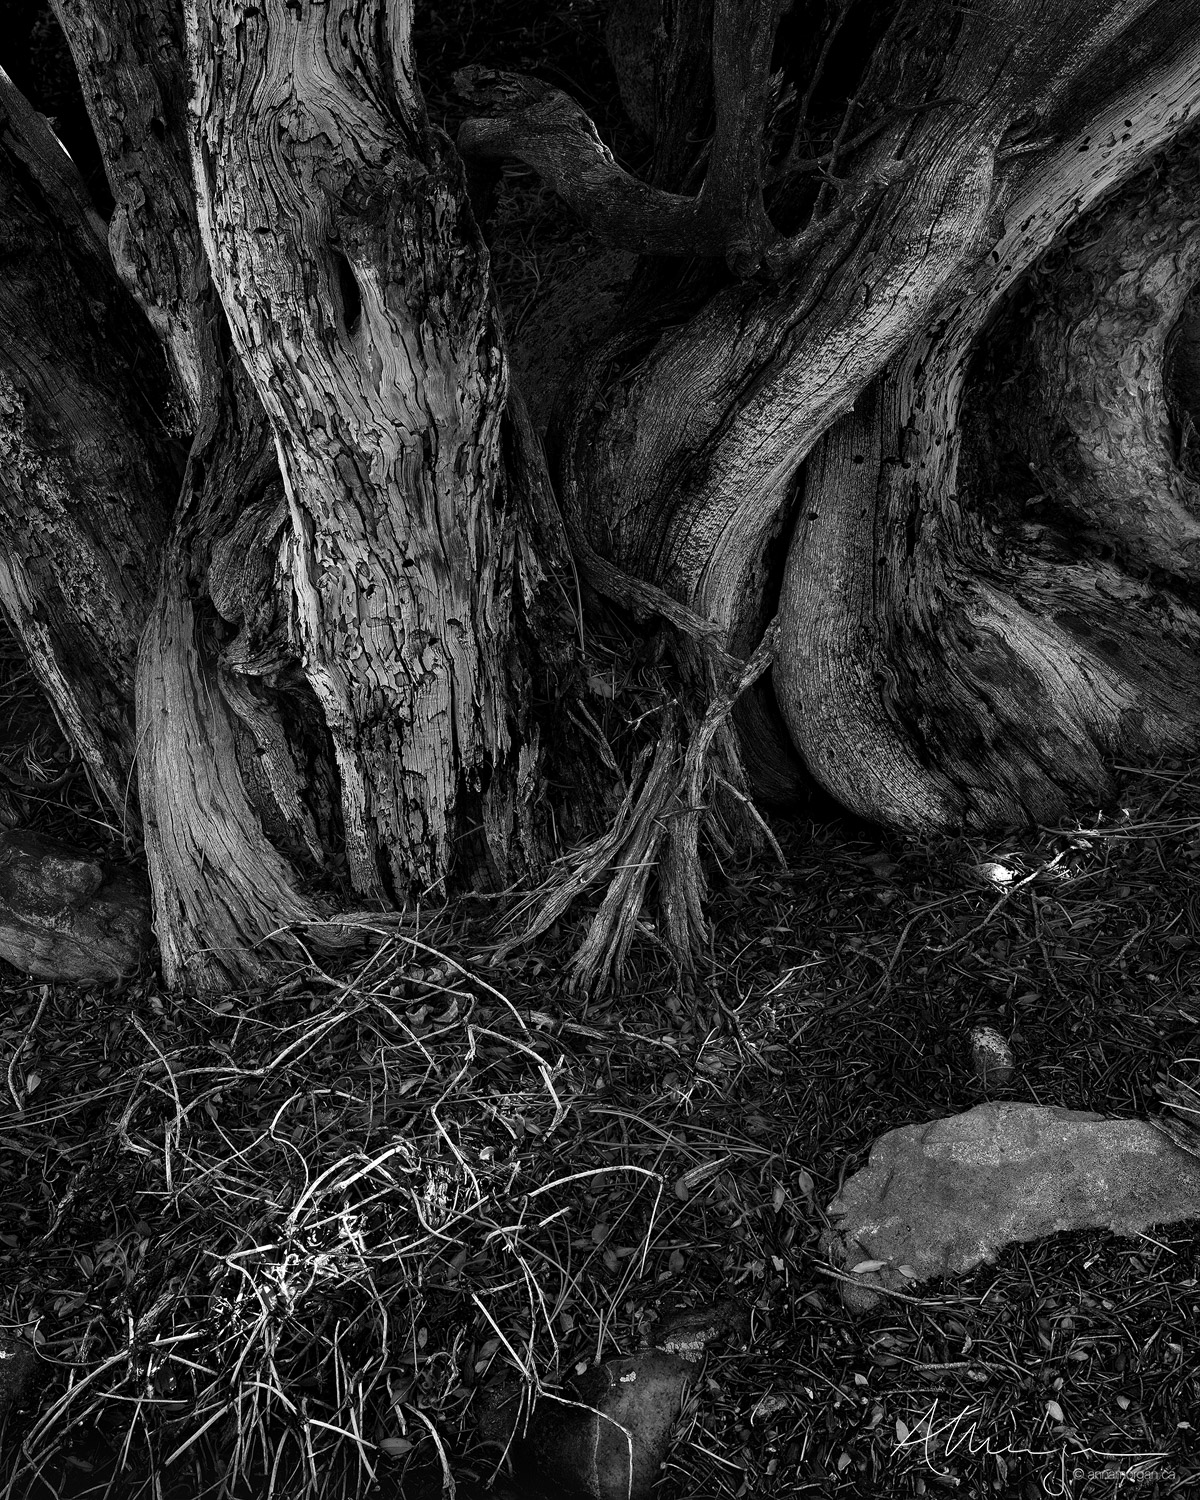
(327, 1229)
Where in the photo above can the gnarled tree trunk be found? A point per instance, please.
(357, 289)
(855, 215)
(216, 768)
(937, 673)
(331, 672)
(931, 671)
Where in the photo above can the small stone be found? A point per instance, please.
(992, 1056)
(689, 1331)
(62, 917)
(937, 1199)
(769, 1406)
(606, 1436)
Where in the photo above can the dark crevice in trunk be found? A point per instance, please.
(1181, 377)
(88, 468)
(38, 60)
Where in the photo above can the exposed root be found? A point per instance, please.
(693, 785)
(224, 898)
(682, 877)
(625, 852)
(952, 664)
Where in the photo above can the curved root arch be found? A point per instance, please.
(928, 674)
(1086, 406)
(937, 670)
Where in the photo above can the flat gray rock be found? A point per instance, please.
(938, 1199)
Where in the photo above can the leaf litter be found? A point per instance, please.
(300, 1243)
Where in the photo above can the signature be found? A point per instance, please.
(938, 1436)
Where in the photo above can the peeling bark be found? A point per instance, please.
(86, 477)
(225, 899)
(356, 286)
(216, 768)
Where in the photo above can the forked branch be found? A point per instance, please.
(538, 124)
(533, 122)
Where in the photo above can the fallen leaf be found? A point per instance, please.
(395, 1447)
(867, 1265)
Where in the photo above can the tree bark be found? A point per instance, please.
(689, 465)
(129, 55)
(682, 465)
(87, 475)
(929, 677)
(355, 572)
(227, 901)
(216, 768)
(1086, 406)
(357, 288)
